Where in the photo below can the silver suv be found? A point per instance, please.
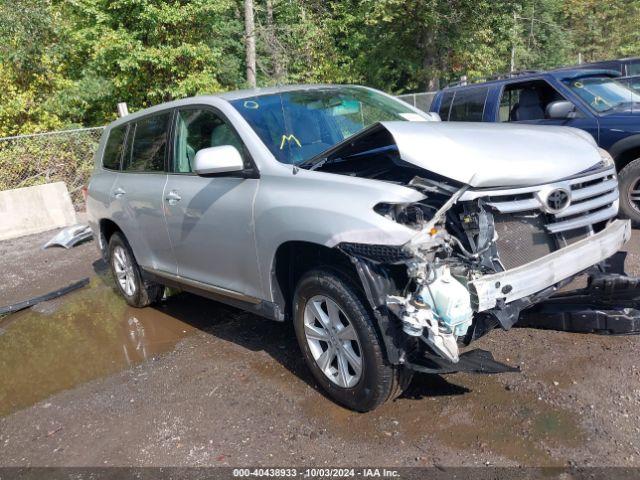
(388, 238)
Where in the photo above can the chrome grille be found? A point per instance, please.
(594, 199)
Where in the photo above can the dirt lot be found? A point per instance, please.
(86, 380)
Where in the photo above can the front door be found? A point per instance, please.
(526, 102)
(210, 219)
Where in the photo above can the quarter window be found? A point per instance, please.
(468, 105)
(149, 144)
(113, 148)
(197, 129)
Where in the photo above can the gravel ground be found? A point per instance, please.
(86, 380)
(29, 271)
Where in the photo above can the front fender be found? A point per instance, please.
(324, 209)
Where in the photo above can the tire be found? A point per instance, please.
(377, 381)
(136, 291)
(629, 180)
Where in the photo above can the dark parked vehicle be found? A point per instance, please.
(588, 99)
(626, 66)
(629, 68)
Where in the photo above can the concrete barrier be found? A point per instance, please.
(25, 211)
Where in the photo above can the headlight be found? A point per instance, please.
(607, 159)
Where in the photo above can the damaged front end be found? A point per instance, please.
(479, 256)
(423, 286)
(449, 285)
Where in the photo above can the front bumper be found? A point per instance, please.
(549, 270)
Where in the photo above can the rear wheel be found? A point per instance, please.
(126, 271)
(629, 181)
(340, 344)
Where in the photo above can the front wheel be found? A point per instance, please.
(340, 344)
(629, 182)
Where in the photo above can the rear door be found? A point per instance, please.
(138, 192)
(99, 199)
(210, 219)
(468, 105)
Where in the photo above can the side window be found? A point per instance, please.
(149, 136)
(445, 105)
(113, 148)
(197, 129)
(468, 105)
(527, 101)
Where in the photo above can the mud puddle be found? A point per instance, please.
(85, 335)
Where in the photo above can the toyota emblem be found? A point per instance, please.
(557, 200)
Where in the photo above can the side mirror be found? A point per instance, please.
(212, 160)
(561, 110)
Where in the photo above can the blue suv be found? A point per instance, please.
(590, 99)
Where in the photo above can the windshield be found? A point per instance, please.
(602, 93)
(300, 124)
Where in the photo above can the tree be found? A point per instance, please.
(29, 67)
(600, 31)
(66, 63)
(250, 42)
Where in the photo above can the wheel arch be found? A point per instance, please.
(107, 228)
(294, 258)
(625, 151)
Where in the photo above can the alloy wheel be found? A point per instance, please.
(634, 194)
(333, 341)
(123, 268)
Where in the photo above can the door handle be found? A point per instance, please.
(173, 197)
(118, 192)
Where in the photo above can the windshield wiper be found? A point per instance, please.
(319, 163)
(315, 162)
(619, 106)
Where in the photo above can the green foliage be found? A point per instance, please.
(67, 63)
(603, 30)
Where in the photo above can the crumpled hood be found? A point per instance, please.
(495, 155)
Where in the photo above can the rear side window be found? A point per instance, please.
(113, 148)
(149, 144)
(445, 105)
(468, 105)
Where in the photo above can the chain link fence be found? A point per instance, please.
(63, 156)
(419, 100)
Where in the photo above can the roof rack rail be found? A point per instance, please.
(498, 76)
